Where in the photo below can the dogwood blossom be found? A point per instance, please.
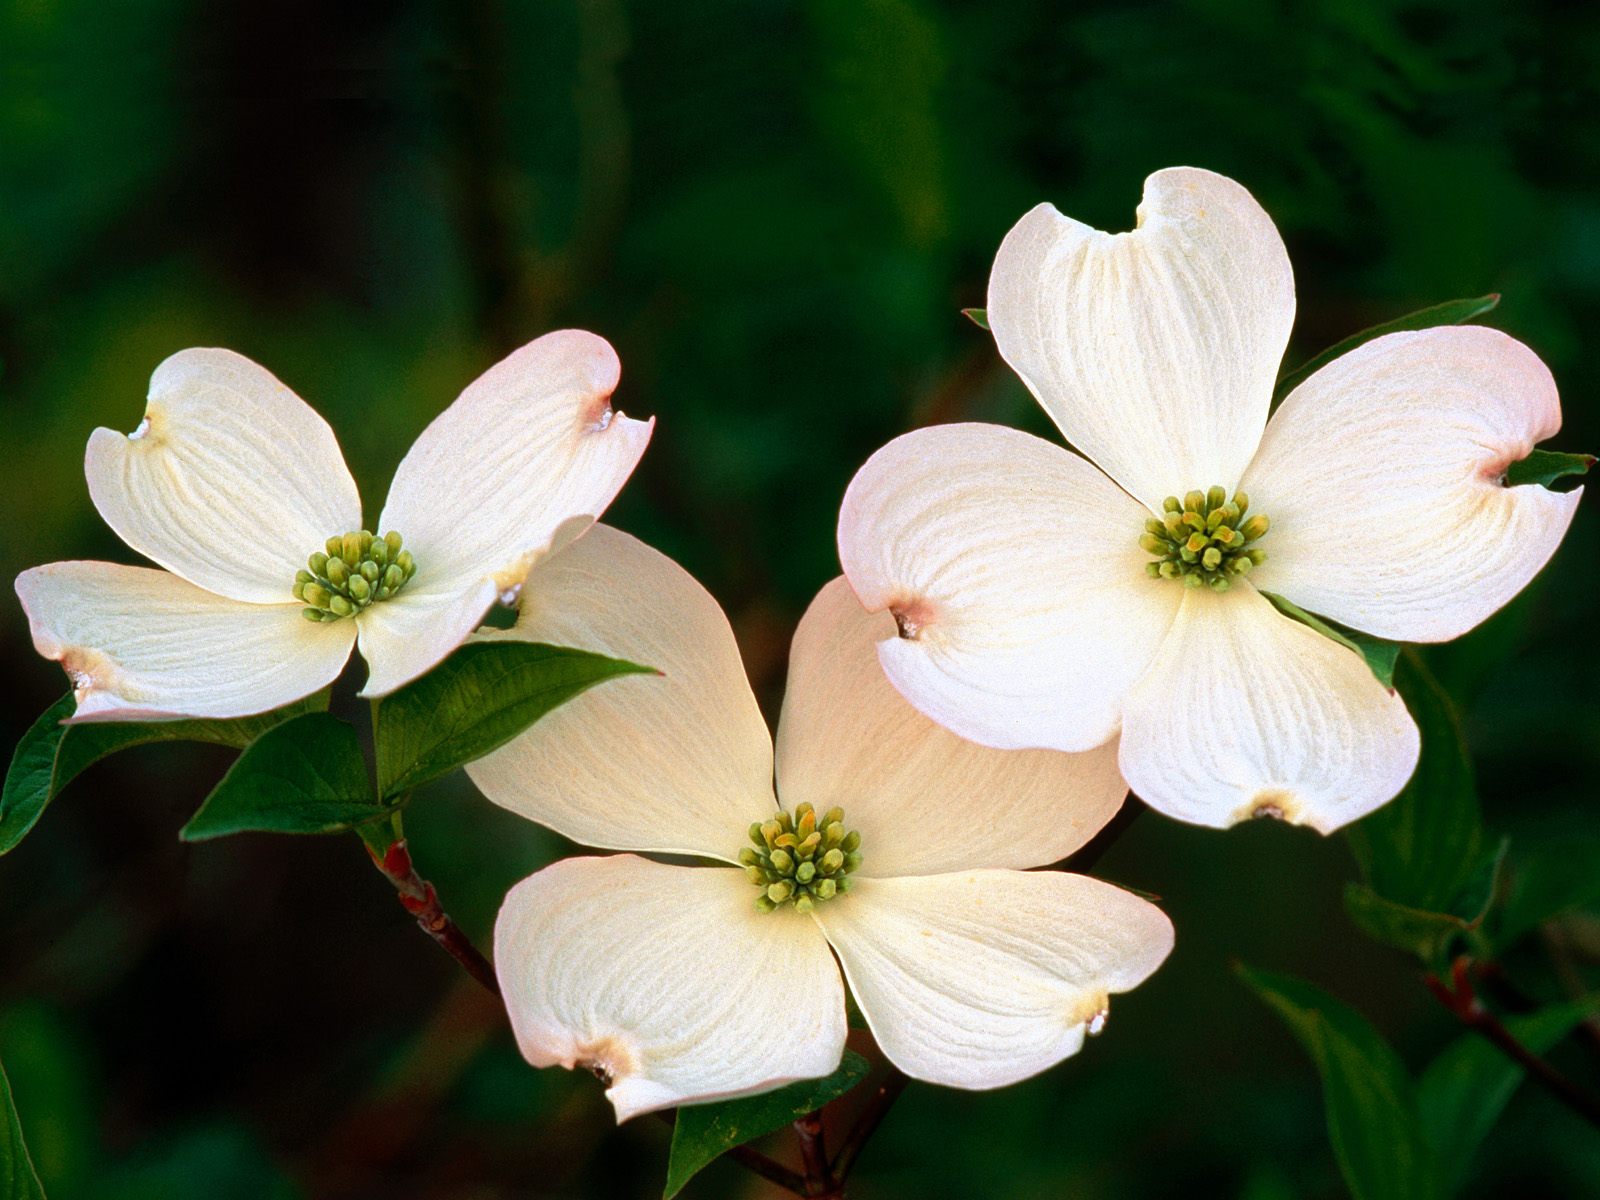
(898, 847)
(238, 488)
(1047, 599)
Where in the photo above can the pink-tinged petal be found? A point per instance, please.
(1384, 477)
(231, 480)
(677, 763)
(523, 461)
(982, 978)
(666, 982)
(1154, 351)
(923, 799)
(140, 644)
(1014, 571)
(1247, 713)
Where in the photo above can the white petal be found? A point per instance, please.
(667, 981)
(532, 446)
(1015, 571)
(1155, 351)
(923, 799)
(982, 978)
(141, 644)
(231, 480)
(411, 633)
(1247, 713)
(1383, 477)
(680, 762)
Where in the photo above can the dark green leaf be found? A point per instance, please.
(1427, 933)
(978, 316)
(304, 776)
(1463, 1092)
(1544, 467)
(705, 1131)
(1549, 876)
(1380, 656)
(1425, 846)
(1451, 312)
(50, 755)
(1370, 1099)
(477, 700)
(18, 1179)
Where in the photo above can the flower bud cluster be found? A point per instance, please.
(351, 571)
(801, 858)
(1204, 539)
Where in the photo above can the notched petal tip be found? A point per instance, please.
(912, 616)
(1277, 804)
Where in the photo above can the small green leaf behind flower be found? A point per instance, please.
(704, 1132)
(1380, 656)
(1544, 467)
(305, 776)
(18, 1179)
(1429, 869)
(1451, 312)
(978, 316)
(50, 755)
(476, 701)
(1370, 1098)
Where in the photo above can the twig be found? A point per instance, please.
(867, 1123)
(814, 1156)
(1459, 999)
(422, 902)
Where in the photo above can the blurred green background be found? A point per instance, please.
(774, 211)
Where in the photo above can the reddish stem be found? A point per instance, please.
(422, 902)
(1460, 999)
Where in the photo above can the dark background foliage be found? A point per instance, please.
(774, 211)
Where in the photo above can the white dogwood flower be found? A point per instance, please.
(237, 487)
(898, 847)
(1045, 599)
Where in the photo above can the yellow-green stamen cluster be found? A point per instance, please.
(801, 858)
(1204, 539)
(350, 572)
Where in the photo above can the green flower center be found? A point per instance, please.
(351, 571)
(1204, 540)
(801, 858)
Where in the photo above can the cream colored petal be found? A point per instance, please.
(140, 644)
(923, 799)
(411, 633)
(680, 762)
(231, 480)
(1015, 572)
(1383, 475)
(1246, 713)
(1155, 351)
(666, 981)
(530, 447)
(982, 978)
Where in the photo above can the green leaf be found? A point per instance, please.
(1549, 875)
(705, 1131)
(1380, 656)
(1451, 312)
(1427, 933)
(978, 316)
(50, 755)
(18, 1179)
(304, 776)
(477, 700)
(1463, 1092)
(1370, 1099)
(1544, 467)
(1426, 846)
